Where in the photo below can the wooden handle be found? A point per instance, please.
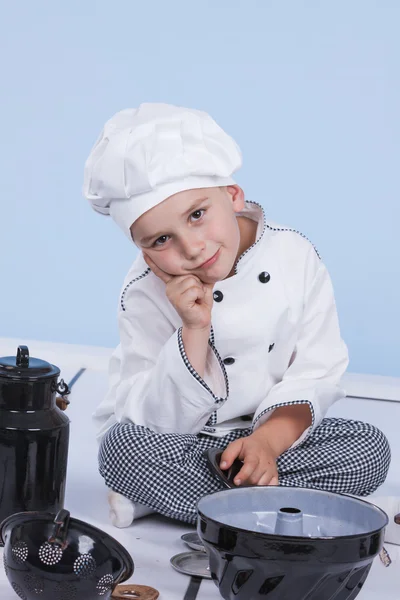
(62, 403)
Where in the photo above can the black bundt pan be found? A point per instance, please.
(253, 565)
(55, 557)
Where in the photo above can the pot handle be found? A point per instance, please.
(60, 530)
(62, 389)
(213, 456)
(22, 356)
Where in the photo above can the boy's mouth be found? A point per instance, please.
(210, 261)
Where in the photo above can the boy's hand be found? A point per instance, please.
(259, 460)
(191, 297)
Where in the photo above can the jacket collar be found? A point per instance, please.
(254, 211)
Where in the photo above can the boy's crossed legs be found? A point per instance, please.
(169, 473)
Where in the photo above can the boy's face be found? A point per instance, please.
(189, 228)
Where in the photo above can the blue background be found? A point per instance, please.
(309, 90)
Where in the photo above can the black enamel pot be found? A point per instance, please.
(289, 543)
(59, 558)
(34, 435)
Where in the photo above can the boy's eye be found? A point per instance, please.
(160, 238)
(199, 210)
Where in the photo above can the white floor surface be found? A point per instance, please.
(153, 540)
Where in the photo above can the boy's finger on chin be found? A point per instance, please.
(208, 286)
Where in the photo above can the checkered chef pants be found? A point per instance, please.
(169, 473)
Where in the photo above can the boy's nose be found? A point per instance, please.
(192, 247)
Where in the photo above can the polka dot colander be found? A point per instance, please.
(48, 557)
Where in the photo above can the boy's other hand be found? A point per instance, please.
(259, 461)
(191, 297)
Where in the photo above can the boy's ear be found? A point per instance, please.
(237, 196)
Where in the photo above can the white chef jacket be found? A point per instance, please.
(274, 341)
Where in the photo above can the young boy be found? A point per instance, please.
(229, 335)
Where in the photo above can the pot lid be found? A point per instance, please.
(24, 367)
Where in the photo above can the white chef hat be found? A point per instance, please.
(146, 154)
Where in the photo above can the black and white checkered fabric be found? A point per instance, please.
(169, 472)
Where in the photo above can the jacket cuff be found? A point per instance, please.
(264, 415)
(214, 384)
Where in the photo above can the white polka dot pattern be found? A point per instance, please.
(105, 584)
(20, 552)
(84, 565)
(50, 554)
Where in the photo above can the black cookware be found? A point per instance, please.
(288, 543)
(34, 435)
(55, 557)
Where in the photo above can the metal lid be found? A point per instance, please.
(192, 563)
(24, 368)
